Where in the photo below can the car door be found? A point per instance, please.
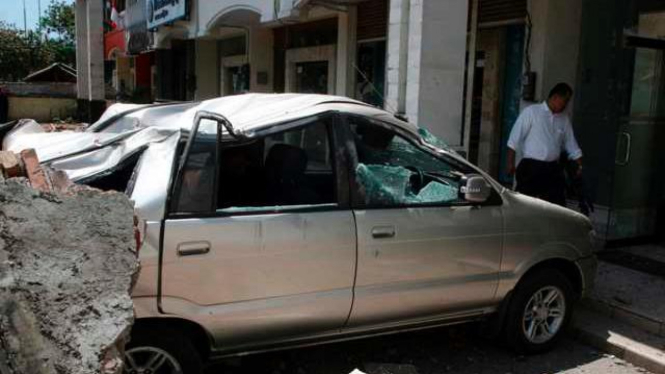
(422, 251)
(260, 244)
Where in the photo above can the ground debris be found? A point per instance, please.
(67, 265)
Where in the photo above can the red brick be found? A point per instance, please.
(34, 171)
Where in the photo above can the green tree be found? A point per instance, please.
(59, 21)
(21, 53)
(59, 27)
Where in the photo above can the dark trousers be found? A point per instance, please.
(543, 180)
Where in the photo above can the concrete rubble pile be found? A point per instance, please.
(68, 263)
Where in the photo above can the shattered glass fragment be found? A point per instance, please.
(390, 185)
(432, 140)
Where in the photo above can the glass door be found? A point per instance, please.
(639, 188)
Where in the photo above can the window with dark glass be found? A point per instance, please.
(195, 194)
(290, 168)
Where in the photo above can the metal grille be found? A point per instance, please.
(490, 11)
(372, 19)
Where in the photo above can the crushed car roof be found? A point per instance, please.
(125, 130)
(245, 112)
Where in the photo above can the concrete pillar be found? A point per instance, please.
(472, 42)
(81, 20)
(397, 56)
(436, 58)
(493, 42)
(96, 50)
(206, 69)
(346, 52)
(90, 59)
(555, 43)
(261, 59)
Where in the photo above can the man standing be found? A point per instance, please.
(540, 134)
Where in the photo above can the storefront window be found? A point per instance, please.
(648, 84)
(370, 75)
(312, 77)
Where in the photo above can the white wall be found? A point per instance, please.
(397, 55)
(346, 52)
(555, 43)
(261, 58)
(90, 50)
(436, 52)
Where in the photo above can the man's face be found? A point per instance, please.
(558, 103)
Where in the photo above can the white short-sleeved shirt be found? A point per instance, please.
(541, 135)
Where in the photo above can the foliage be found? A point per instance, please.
(59, 21)
(22, 53)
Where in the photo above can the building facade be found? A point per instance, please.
(464, 69)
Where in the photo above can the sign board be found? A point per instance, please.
(159, 12)
(138, 38)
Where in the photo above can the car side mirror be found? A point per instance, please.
(475, 189)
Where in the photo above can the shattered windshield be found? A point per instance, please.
(393, 171)
(432, 140)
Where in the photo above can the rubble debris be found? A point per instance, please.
(10, 164)
(67, 265)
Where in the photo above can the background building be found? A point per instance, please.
(461, 68)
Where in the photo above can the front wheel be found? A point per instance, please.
(165, 352)
(540, 310)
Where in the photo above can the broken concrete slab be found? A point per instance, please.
(67, 265)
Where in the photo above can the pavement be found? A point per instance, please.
(625, 314)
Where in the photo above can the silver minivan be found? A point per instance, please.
(278, 221)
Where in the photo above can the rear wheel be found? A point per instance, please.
(539, 311)
(166, 352)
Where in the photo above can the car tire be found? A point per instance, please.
(165, 352)
(539, 311)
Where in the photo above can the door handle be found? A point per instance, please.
(193, 248)
(626, 156)
(383, 232)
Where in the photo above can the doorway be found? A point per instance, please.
(638, 193)
(312, 77)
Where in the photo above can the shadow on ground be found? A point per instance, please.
(458, 349)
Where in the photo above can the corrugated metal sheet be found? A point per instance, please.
(372, 19)
(490, 11)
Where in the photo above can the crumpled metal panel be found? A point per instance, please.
(88, 164)
(153, 176)
(125, 129)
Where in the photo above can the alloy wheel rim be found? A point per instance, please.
(150, 360)
(544, 315)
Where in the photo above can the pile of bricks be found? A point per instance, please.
(26, 164)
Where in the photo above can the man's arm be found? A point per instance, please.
(572, 148)
(510, 163)
(515, 141)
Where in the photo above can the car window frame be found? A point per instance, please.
(358, 198)
(338, 160)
